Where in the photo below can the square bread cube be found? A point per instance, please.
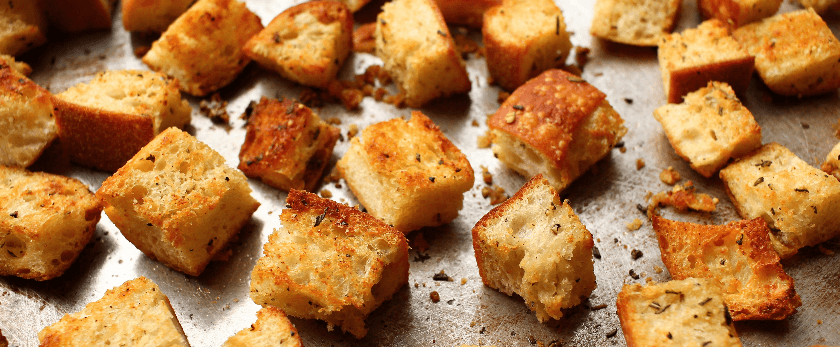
(203, 47)
(418, 51)
(796, 54)
(152, 15)
(689, 312)
(534, 245)
(24, 26)
(738, 12)
(45, 222)
(832, 162)
(331, 262)
(18, 66)
(407, 173)
(557, 125)
(523, 38)
(136, 313)
(690, 60)
(799, 202)
(307, 43)
(634, 22)
(75, 16)
(178, 202)
(27, 118)
(739, 256)
(103, 123)
(287, 145)
(272, 329)
(820, 6)
(709, 127)
(465, 12)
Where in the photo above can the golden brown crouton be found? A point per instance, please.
(819, 6)
(27, 118)
(18, 66)
(79, 15)
(272, 329)
(152, 15)
(465, 12)
(738, 12)
(354, 5)
(832, 162)
(634, 22)
(22, 26)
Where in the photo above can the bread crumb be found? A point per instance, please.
(352, 131)
(640, 163)
(819, 321)
(623, 149)
(484, 141)
(634, 225)
(488, 178)
(657, 269)
(333, 121)
(669, 176)
(465, 46)
(463, 281)
(683, 198)
(215, 109)
(326, 194)
(648, 279)
(581, 56)
(496, 194)
(474, 123)
(434, 296)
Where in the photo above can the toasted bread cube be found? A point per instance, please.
(407, 174)
(557, 125)
(45, 222)
(832, 162)
(710, 127)
(27, 121)
(18, 66)
(418, 52)
(689, 312)
(799, 202)
(465, 12)
(178, 202)
(287, 145)
(739, 256)
(534, 245)
(152, 15)
(103, 123)
(795, 53)
(523, 38)
(330, 262)
(75, 16)
(306, 43)
(820, 6)
(133, 314)
(634, 22)
(738, 12)
(24, 26)
(354, 5)
(272, 329)
(203, 47)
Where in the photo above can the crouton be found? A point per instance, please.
(203, 47)
(465, 12)
(418, 51)
(103, 123)
(710, 127)
(24, 26)
(690, 312)
(795, 53)
(75, 16)
(738, 12)
(27, 118)
(133, 314)
(18, 66)
(330, 262)
(287, 145)
(272, 329)
(819, 6)
(634, 22)
(799, 202)
(832, 162)
(557, 125)
(152, 15)
(534, 245)
(354, 5)
(523, 38)
(407, 173)
(306, 43)
(178, 202)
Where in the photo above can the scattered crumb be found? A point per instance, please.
(463, 281)
(442, 276)
(397, 100)
(215, 109)
(465, 46)
(623, 149)
(420, 242)
(657, 269)
(640, 163)
(804, 125)
(488, 178)
(363, 38)
(474, 123)
(669, 176)
(581, 56)
(352, 130)
(648, 279)
(434, 296)
(484, 141)
(333, 121)
(496, 194)
(326, 194)
(503, 95)
(819, 321)
(636, 254)
(683, 198)
(634, 225)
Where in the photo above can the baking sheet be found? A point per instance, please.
(216, 304)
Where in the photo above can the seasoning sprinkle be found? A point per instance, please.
(801, 190)
(740, 240)
(432, 179)
(510, 117)
(636, 254)
(596, 252)
(441, 276)
(417, 157)
(758, 181)
(291, 108)
(441, 33)
(575, 79)
(670, 337)
(612, 333)
(151, 157)
(663, 309)
(557, 26)
(518, 107)
(764, 163)
(704, 302)
(672, 292)
(320, 218)
(706, 343)
(815, 209)
(723, 262)
(655, 305)
(14, 214)
(641, 208)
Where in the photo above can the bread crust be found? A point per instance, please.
(272, 329)
(634, 22)
(24, 26)
(738, 12)
(75, 16)
(465, 12)
(27, 118)
(152, 15)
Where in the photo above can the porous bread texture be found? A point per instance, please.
(307, 43)
(465, 12)
(418, 51)
(23, 26)
(634, 22)
(136, 313)
(152, 15)
(287, 145)
(203, 47)
(330, 262)
(45, 222)
(690, 60)
(799, 202)
(523, 38)
(738, 12)
(75, 16)
(407, 173)
(178, 202)
(272, 329)
(709, 127)
(795, 53)
(739, 256)
(688, 312)
(556, 124)
(832, 162)
(534, 245)
(354, 5)
(27, 118)
(104, 122)
(820, 6)
(18, 66)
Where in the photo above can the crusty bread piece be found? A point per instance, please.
(152, 15)
(354, 5)
(178, 202)
(710, 127)
(738, 12)
(79, 15)
(23, 25)
(27, 118)
(18, 66)
(534, 245)
(418, 52)
(832, 162)
(557, 125)
(203, 47)
(820, 6)
(465, 12)
(272, 329)
(739, 256)
(799, 202)
(45, 222)
(306, 43)
(634, 22)
(522, 39)
(287, 145)
(795, 53)
(407, 174)
(136, 313)
(3, 341)
(102, 123)
(690, 312)
(330, 262)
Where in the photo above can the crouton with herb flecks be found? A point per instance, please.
(634, 22)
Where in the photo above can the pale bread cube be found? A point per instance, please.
(832, 162)
(75, 16)
(272, 329)
(820, 6)
(152, 15)
(178, 202)
(18, 66)
(23, 26)
(634, 22)
(465, 12)
(738, 12)
(27, 118)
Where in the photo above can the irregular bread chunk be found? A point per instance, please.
(634, 22)
(738, 12)
(832, 162)
(23, 26)
(465, 12)
(27, 118)
(152, 15)
(272, 329)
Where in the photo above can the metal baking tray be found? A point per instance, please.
(216, 305)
